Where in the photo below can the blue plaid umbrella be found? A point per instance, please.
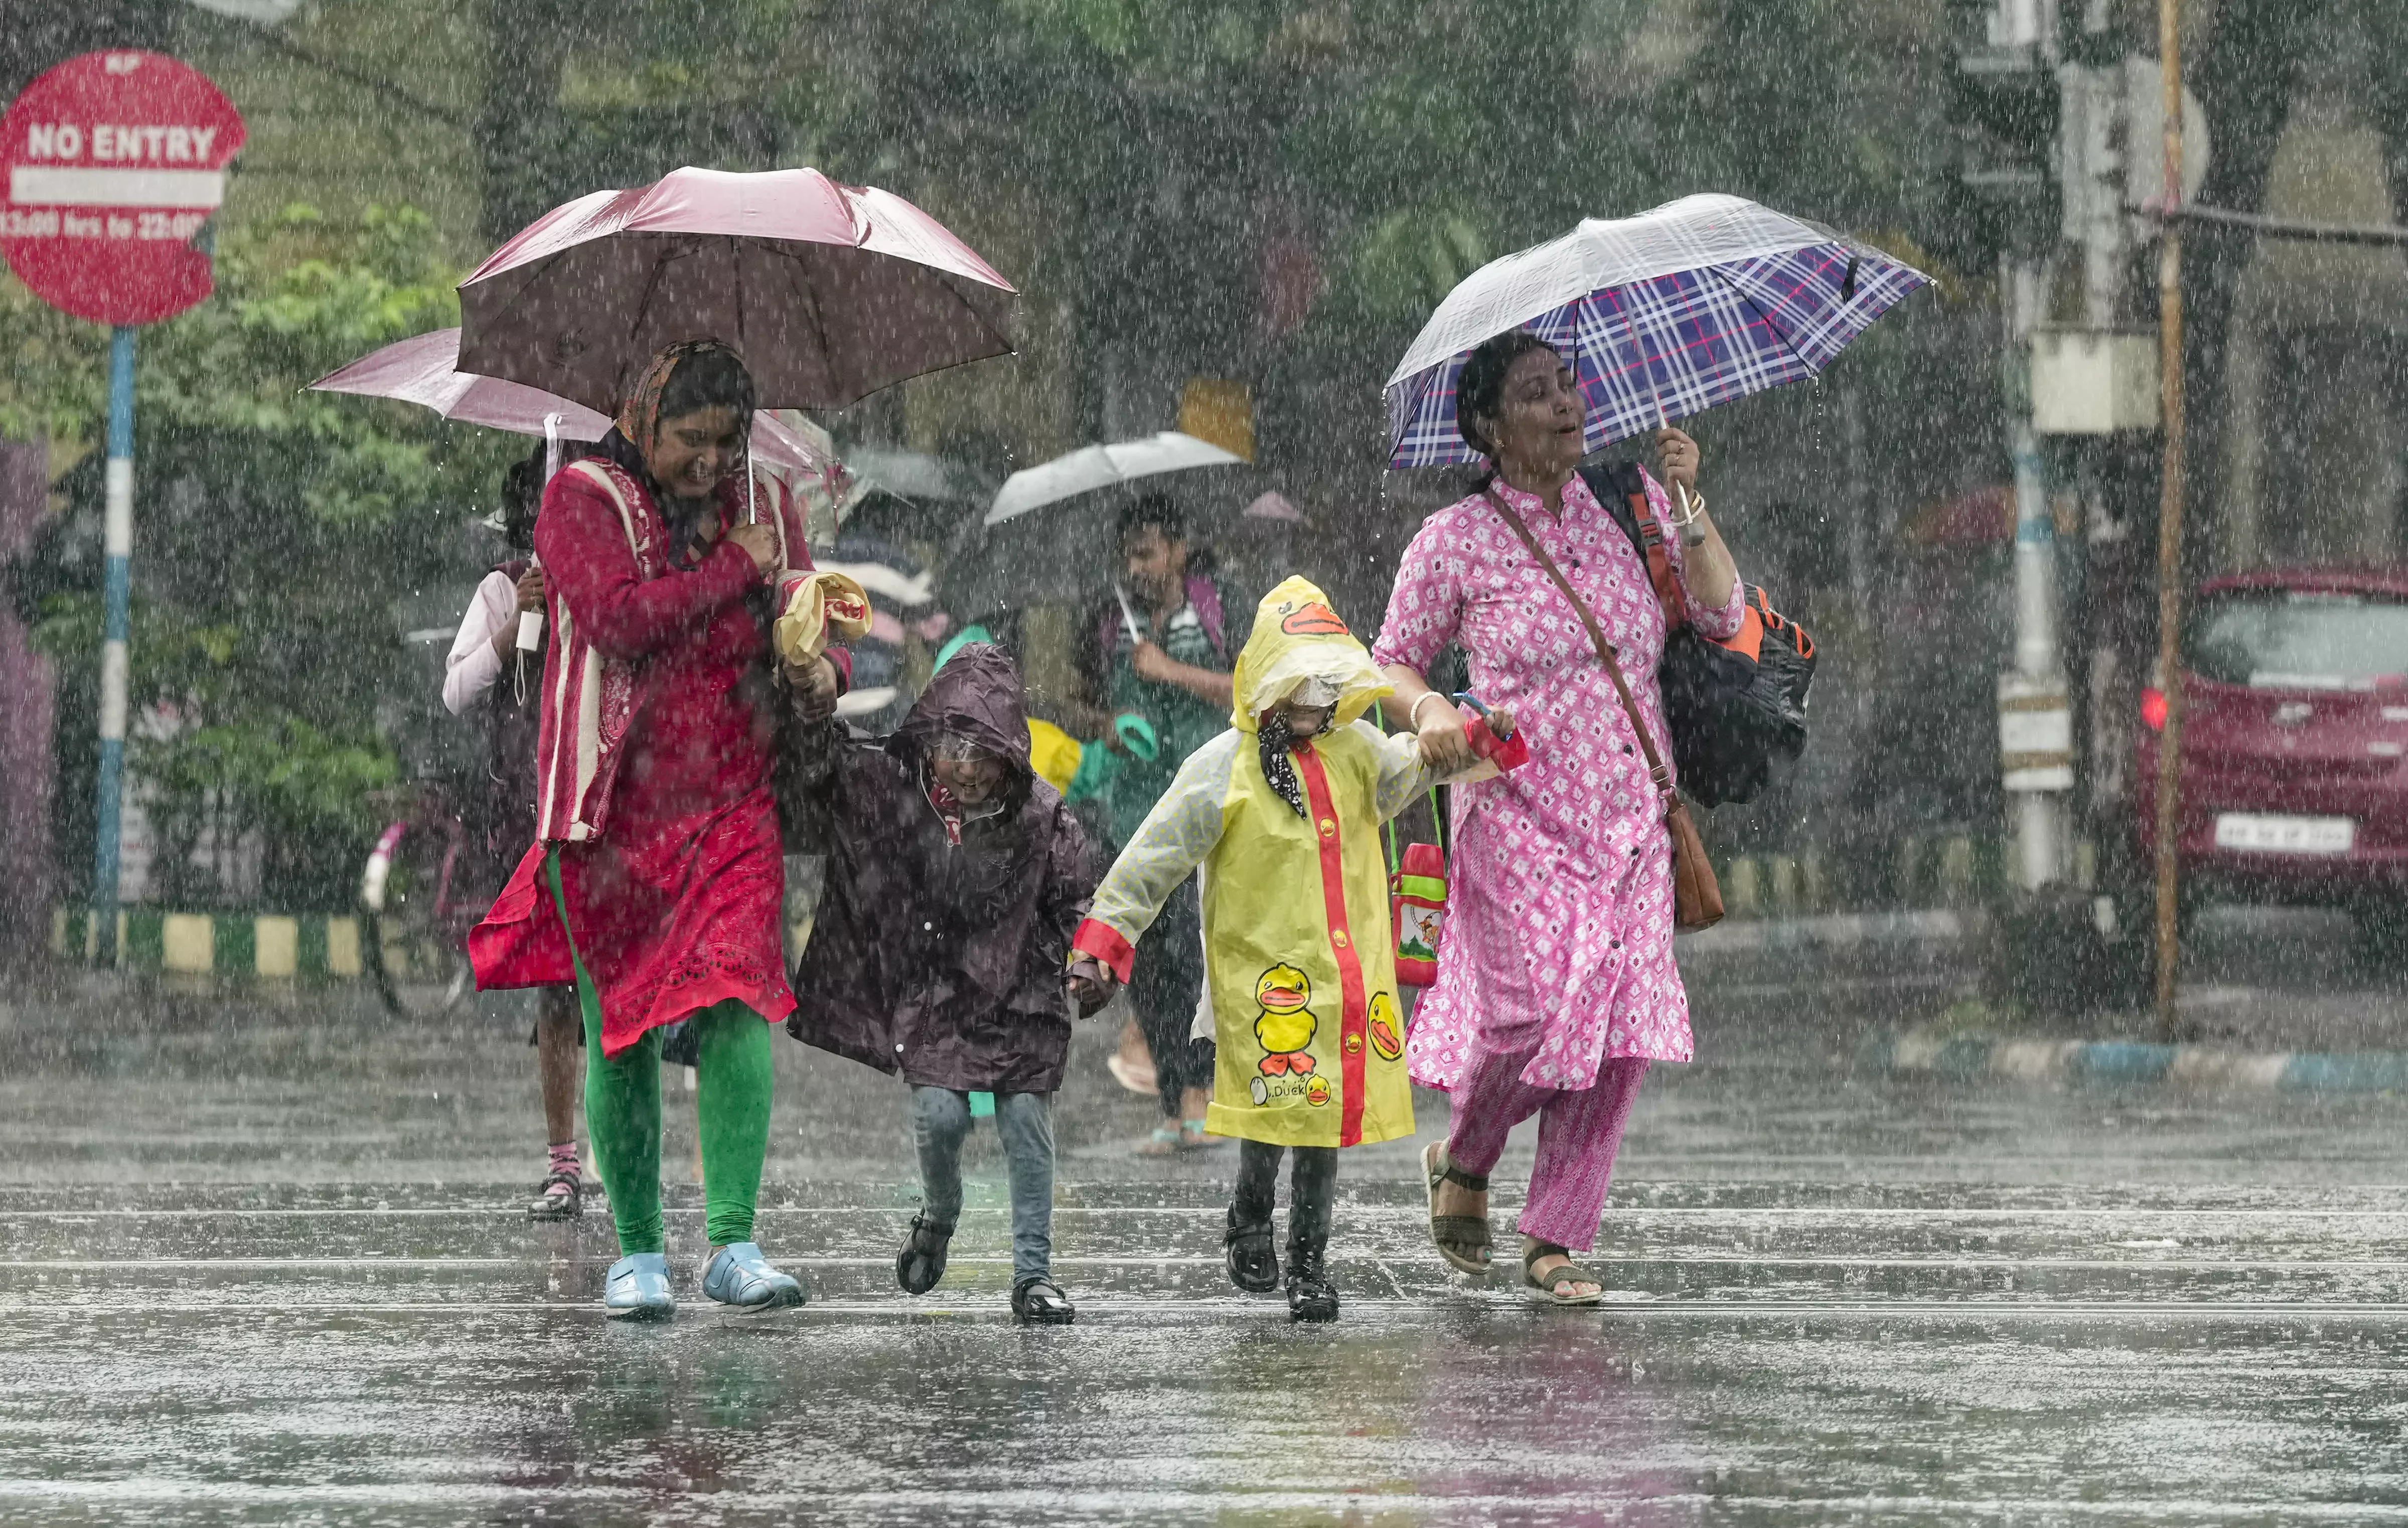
(1696, 303)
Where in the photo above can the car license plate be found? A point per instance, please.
(2266, 832)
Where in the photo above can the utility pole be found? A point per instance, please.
(2169, 521)
(117, 594)
(2035, 725)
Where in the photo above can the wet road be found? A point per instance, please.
(264, 1263)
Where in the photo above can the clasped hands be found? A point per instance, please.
(1445, 739)
(1090, 983)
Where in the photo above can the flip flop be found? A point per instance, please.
(1192, 1136)
(1463, 1240)
(1551, 1284)
(1164, 1142)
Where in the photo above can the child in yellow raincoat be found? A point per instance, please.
(1283, 812)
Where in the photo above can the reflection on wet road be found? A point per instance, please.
(264, 1262)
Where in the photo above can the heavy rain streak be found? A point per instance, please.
(1203, 761)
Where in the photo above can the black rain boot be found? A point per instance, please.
(1312, 1189)
(1311, 1295)
(1254, 1264)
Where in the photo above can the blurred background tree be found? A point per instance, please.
(1272, 192)
(277, 531)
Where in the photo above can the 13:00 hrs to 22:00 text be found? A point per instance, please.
(58, 222)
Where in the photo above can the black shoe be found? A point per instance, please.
(921, 1261)
(1254, 1265)
(1311, 1295)
(561, 1198)
(1041, 1302)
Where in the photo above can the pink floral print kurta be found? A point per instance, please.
(1559, 916)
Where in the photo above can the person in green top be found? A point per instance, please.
(1161, 652)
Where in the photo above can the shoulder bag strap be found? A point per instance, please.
(1621, 491)
(1655, 768)
(1674, 598)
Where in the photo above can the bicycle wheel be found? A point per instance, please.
(411, 940)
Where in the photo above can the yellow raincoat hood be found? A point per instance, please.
(1297, 636)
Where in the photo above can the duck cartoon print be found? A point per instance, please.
(1285, 1025)
(1388, 1035)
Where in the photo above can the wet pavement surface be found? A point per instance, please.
(264, 1261)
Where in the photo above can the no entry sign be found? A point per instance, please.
(114, 161)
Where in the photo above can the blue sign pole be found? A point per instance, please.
(118, 595)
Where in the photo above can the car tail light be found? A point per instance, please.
(2153, 709)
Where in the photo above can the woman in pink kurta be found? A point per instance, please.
(1557, 984)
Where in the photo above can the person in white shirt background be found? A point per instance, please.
(489, 675)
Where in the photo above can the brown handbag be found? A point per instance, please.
(1697, 896)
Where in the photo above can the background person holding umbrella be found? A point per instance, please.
(657, 882)
(1162, 654)
(1557, 984)
(488, 674)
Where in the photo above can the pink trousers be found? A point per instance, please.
(1578, 1132)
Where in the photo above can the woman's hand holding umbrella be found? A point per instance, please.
(1676, 458)
(760, 543)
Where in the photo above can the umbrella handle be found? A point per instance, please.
(1128, 615)
(1681, 490)
(1688, 515)
(1663, 421)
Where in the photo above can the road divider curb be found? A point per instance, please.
(271, 945)
(1974, 1058)
(1834, 931)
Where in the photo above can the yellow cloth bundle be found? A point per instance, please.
(817, 609)
(1052, 753)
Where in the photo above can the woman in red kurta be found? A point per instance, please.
(657, 882)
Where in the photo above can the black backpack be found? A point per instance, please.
(1734, 707)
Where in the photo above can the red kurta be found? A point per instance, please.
(676, 906)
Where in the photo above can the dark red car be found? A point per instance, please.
(2294, 787)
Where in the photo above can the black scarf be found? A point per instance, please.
(1276, 739)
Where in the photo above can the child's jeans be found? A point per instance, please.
(941, 1118)
(1312, 1184)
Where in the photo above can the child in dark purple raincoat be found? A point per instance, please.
(955, 880)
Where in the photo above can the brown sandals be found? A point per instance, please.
(1551, 1284)
(1463, 1240)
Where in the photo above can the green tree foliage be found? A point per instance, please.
(276, 532)
(1404, 142)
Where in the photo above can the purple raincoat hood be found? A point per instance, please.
(977, 695)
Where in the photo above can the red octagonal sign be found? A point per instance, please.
(114, 161)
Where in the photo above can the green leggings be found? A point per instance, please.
(623, 1113)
